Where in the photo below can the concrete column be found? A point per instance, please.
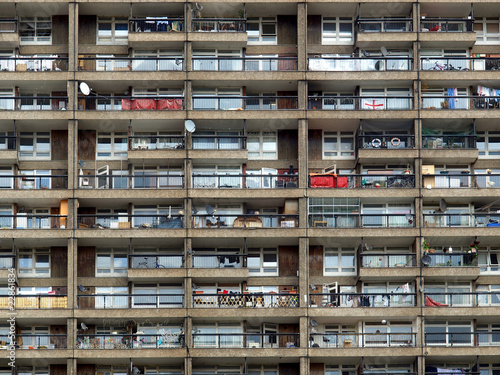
(72, 213)
(188, 331)
(72, 272)
(304, 331)
(188, 292)
(187, 96)
(302, 36)
(188, 53)
(304, 365)
(71, 366)
(420, 365)
(72, 331)
(303, 219)
(188, 366)
(73, 13)
(419, 329)
(303, 271)
(302, 152)
(302, 94)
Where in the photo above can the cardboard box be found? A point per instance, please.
(21, 67)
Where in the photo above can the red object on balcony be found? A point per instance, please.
(323, 181)
(431, 302)
(342, 182)
(169, 104)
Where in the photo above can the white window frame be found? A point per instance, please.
(340, 253)
(341, 152)
(176, 62)
(260, 153)
(235, 64)
(211, 142)
(462, 327)
(389, 300)
(488, 299)
(170, 337)
(223, 176)
(166, 178)
(484, 260)
(483, 36)
(37, 22)
(111, 370)
(6, 182)
(340, 370)
(265, 268)
(7, 101)
(393, 333)
(113, 153)
(35, 153)
(337, 100)
(118, 299)
(158, 140)
(113, 270)
(160, 301)
(261, 38)
(334, 38)
(30, 370)
(113, 38)
(216, 341)
(33, 255)
(484, 151)
(217, 102)
(38, 183)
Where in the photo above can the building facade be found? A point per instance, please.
(261, 188)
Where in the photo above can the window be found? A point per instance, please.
(221, 177)
(340, 370)
(333, 100)
(262, 145)
(215, 59)
(33, 371)
(111, 370)
(432, 59)
(338, 336)
(262, 30)
(33, 263)
(35, 30)
(160, 370)
(159, 336)
(390, 334)
(112, 30)
(6, 218)
(224, 216)
(488, 260)
(380, 99)
(220, 335)
(448, 333)
(388, 369)
(157, 140)
(156, 178)
(339, 261)
(109, 218)
(6, 182)
(216, 99)
(487, 30)
(160, 59)
(216, 140)
(111, 262)
(263, 370)
(387, 215)
(488, 143)
(384, 257)
(157, 295)
(35, 337)
(109, 298)
(157, 258)
(34, 145)
(491, 296)
(6, 99)
(263, 262)
(337, 30)
(438, 97)
(112, 145)
(338, 145)
(157, 216)
(35, 101)
(389, 294)
(33, 179)
(334, 212)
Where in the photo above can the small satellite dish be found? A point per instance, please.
(85, 89)
(136, 371)
(365, 53)
(84, 326)
(442, 205)
(384, 51)
(313, 323)
(210, 210)
(81, 163)
(312, 286)
(81, 288)
(190, 126)
(426, 260)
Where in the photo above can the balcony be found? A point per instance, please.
(8, 32)
(446, 25)
(388, 299)
(221, 25)
(134, 64)
(384, 25)
(453, 260)
(33, 64)
(131, 103)
(245, 64)
(246, 340)
(362, 340)
(243, 221)
(360, 102)
(454, 181)
(7, 261)
(135, 341)
(156, 24)
(356, 220)
(153, 142)
(8, 25)
(33, 103)
(383, 260)
(245, 300)
(33, 221)
(360, 64)
(468, 339)
(460, 63)
(219, 260)
(219, 142)
(123, 221)
(127, 301)
(41, 341)
(462, 220)
(390, 142)
(151, 261)
(362, 181)
(243, 181)
(38, 301)
(471, 299)
(167, 180)
(244, 102)
(34, 182)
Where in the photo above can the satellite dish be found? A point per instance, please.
(136, 371)
(442, 205)
(81, 288)
(210, 210)
(426, 260)
(312, 286)
(365, 53)
(85, 89)
(81, 163)
(384, 51)
(189, 126)
(84, 326)
(313, 323)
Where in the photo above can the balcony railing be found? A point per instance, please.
(381, 141)
(33, 182)
(453, 260)
(462, 220)
(228, 102)
(33, 64)
(222, 25)
(384, 25)
(238, 300)
(452, 25)
(33, 221)
(218, 260)
(219, 142)
(140, 261)
(387, 299)
(362, 340)
(131, 103)
(135, 64)
(356, 220)
(7, 261)
(138, 181)
(8, 142)
(119, 221)
(39, 301)
(8, 25)
(362, 181)
(361, 102)
(462, 299)
(383, 260)
(246, 340)
(33, 103)
(152, 142)
(245, 221)
(127, 341)
(460, 63)
(359, 64)
(156, 24)
(460, 102)
(41, 341)
(449, 141)
(135, 301)
(239, 181)
(452, 181)
(248, 64)
(479, 338)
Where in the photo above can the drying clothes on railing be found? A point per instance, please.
(431, 302)
(451, 101)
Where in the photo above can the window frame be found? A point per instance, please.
(114, 153)
(113, 39)
(336, 38)
(339, 135)
(35, 154)
(261, 136)
(263, 270)
(339, 252)
(114, 271)
(262, 38)
(33, 271)
(35, 39)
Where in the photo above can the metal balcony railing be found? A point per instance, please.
(38, 301)
(362, 340)
(33, 221)
(140, 180)
(34, 182)
(125, 221)
(453, 259)
(461, 220)
(33, 103)
(149, 261)
(240, 181)
(460, 63)
(363, 181)
(33, 64)
(8, 142)
(239, 300)
(41, 341)
(134, 301)
(7, 261)
(356, 220)
(461, 299)
(134, 64)
(359, 64)
(219, 142)
(383, 260)
(130, 341)
(384, 25)
(221, 25)
(452, 181)
(460, 102)
(223, 102)
(449, 141)
(247, 63)
(153, 142)
(131, 103)
(360, 102)
(245, 221)
(246, 340)
(381, 141)
(156, 24)
(218, 260)
(387, 299)
(8, 25)
(461, 338)
(455, 25)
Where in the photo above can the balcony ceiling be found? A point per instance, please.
(354, 242)
(486, 10)
(39, 9)
(333, 9)
(329, 124)
(385, 10)
(267, 9)
(251, 242)
(446, 9)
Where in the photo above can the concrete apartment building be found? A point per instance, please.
(261, 188)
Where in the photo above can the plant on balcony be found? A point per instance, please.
(444, 104)
(427, 247)
(473, 247)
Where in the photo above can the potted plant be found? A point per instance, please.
(473, 247)
(427, 247)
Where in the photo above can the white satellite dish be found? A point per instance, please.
(190, 126)
(384, 51)
(84, 327)
(85, 89)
